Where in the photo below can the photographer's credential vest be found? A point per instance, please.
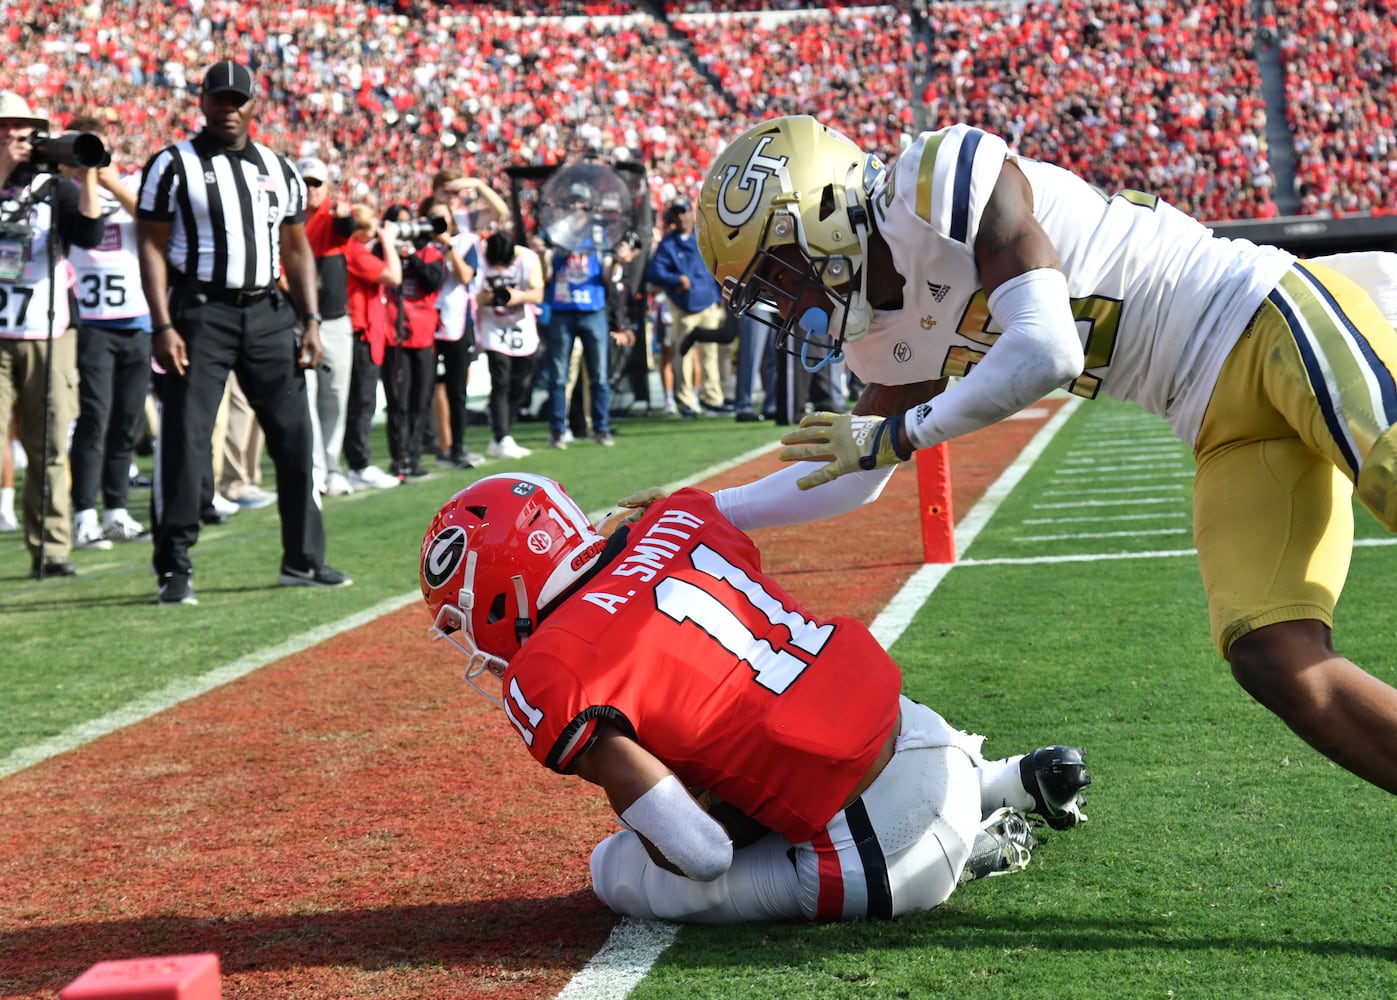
(25, 284)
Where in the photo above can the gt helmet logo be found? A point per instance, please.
(751, 182)
(443, 556)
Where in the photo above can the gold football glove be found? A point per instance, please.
(847, 442)
(633, 508)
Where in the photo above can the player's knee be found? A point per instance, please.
(618, 866)
(1282, 666)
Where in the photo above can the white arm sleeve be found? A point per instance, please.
(693, 841)
(1038, 351)
(776, 500)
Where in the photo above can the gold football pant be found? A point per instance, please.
(1303, 409)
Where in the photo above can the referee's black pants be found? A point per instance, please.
(257, 341)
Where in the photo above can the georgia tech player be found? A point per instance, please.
(657, 659)
(1018, 277)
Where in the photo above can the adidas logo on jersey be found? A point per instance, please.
(938, 292)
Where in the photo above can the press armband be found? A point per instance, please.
(1038, 351)
(688, 837)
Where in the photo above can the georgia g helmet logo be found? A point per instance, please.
(751, 181)
(444, 555)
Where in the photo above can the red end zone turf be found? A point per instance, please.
(353, 821)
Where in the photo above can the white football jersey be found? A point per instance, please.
(109, 275)
(1159, 299)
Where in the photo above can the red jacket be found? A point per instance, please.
(366, 296)
(410, 310)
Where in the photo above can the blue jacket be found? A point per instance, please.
(676, 255)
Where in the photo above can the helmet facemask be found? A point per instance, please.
(453, 623)
(772, 287)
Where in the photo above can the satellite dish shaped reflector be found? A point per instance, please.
(585, 206)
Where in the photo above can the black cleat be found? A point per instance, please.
(1055, 777)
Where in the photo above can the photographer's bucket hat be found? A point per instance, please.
(14, 110)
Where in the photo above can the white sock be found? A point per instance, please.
(7, 500)
(88, 515)
(1000, 786)
(111, 514)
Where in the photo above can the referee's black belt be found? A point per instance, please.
(228, 296)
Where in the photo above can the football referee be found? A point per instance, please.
(216, 216)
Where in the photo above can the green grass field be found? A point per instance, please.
(1224, 858)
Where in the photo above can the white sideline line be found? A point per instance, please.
(893, 620)
(153, 702)
(177, 691)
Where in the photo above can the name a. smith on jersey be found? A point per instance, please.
(651, 555)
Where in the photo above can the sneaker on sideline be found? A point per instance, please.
(175, 590)
(119, 526)
(8, 521)
(506, 447)
(604, 438)
(321, 576)
(87, 533)
(336, 485)
(371, 477)
(559, 441)
(254, 498)
(224, 506)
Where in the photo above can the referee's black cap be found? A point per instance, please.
(228, 77)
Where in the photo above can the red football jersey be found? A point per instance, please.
(682, 642)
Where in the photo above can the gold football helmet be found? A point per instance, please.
(784, 211)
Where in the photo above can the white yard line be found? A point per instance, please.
(185, 688)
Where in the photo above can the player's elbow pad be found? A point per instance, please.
(1038, 351)
(1035, 310)
(693, 841)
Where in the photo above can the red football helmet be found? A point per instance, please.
(496, 553)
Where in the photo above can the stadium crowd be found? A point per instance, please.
(1130, 93)
(1138, 93)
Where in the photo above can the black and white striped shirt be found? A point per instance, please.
(226, 208)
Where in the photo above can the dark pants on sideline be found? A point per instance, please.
(256, 341)
(113, 377)
(409, 379)
(455, 358)
(510, 378)
(360, 407)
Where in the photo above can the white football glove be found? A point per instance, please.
(847, 442)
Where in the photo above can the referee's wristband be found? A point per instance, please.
(163, 327)
(309, 317)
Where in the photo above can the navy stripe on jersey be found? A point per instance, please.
(875, 865)
(960, 196)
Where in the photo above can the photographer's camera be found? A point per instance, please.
(415, 229)
(71, 149)
(499, 290)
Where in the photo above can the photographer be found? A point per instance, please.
(113, 360)
(410, 324)
(508, 301)
(38, 357)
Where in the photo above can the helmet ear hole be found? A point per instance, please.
(497, 607)
(827, 202)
